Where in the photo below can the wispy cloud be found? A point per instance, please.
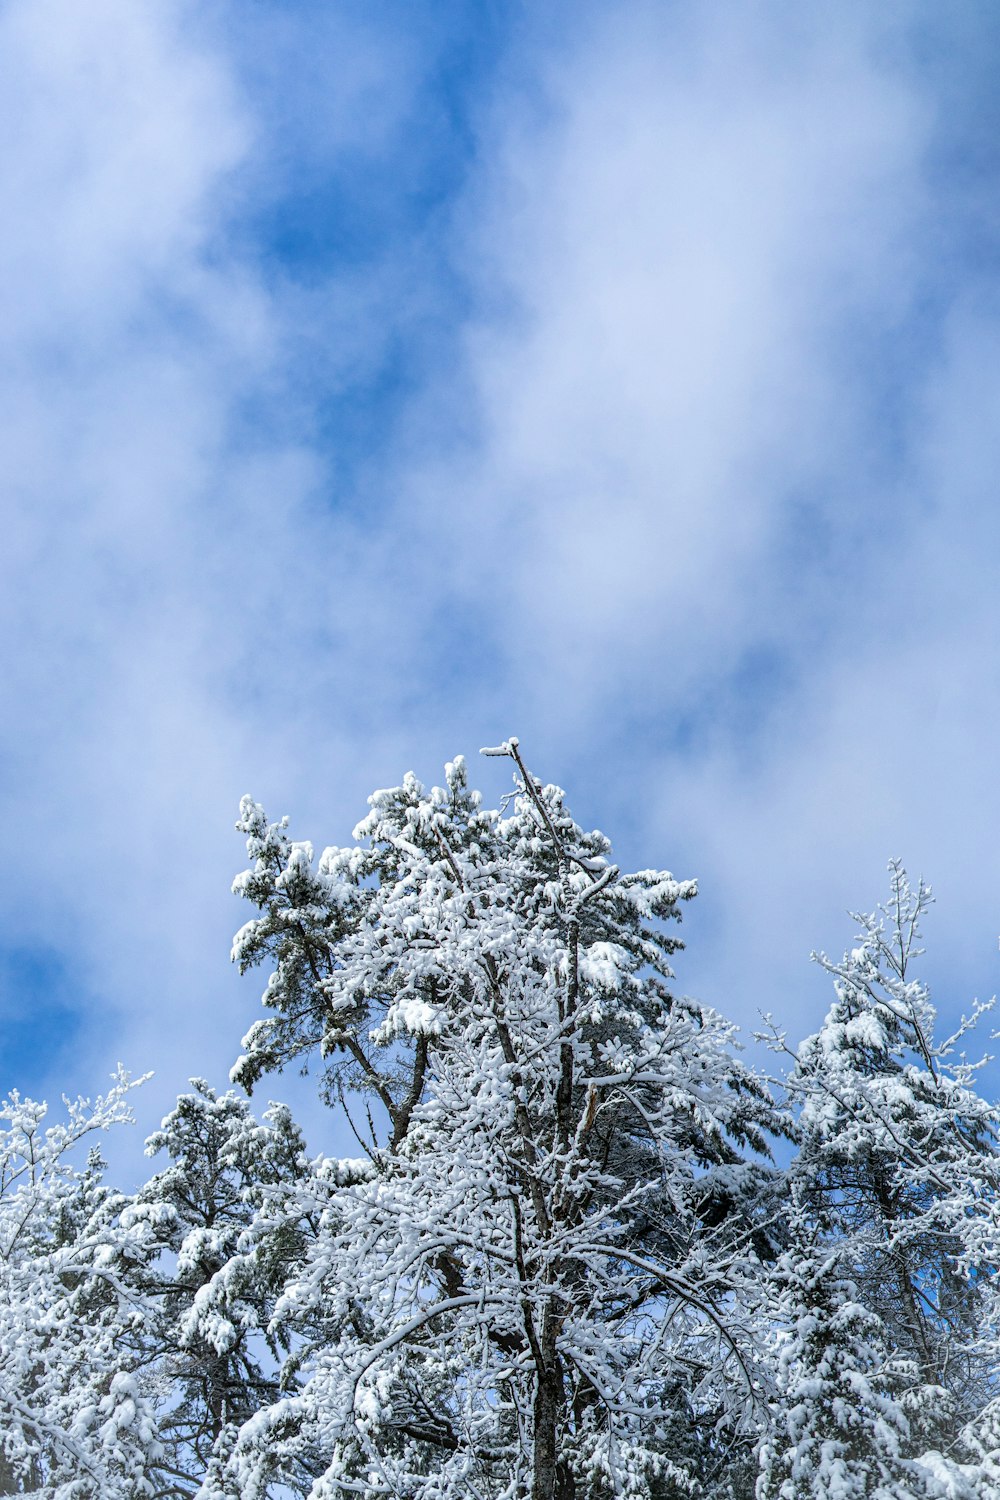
(129, 337)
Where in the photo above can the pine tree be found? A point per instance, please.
(842, 1429)
(896, 1164)
(221, 1243)
(547, 1257)
(75, 1420)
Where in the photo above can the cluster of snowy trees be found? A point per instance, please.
(581, 1251)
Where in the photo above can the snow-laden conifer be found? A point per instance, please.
(547, 1256)
(893, 1186)
(222, 1243)
(75, 1420)
(841, 1429)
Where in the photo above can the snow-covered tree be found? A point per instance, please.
(893, 1186)
(75, 1423)
(559, 1265)
(221, 1245)
(842, 1430)
(547, 1258)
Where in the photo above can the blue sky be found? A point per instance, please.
(380, 380)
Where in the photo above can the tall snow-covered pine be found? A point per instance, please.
(550, 1241)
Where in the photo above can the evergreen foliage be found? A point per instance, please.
(896, 1161)
(221, 1242)
(561, 1263)
(75, 1418)
(542, 1247)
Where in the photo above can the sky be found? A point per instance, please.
(378, 381)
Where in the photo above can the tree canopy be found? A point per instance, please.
(581, 1249)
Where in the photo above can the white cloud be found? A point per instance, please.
(659, 455)
(888, 749)
(117, 139)
(676, 254)
(185, 618)
(719, 426)
(127, 343)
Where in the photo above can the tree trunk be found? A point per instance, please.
(548, 1395)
